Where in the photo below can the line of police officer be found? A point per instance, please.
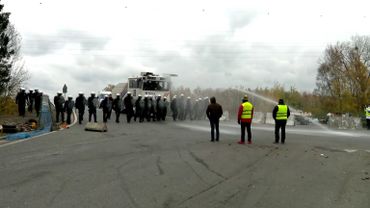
(31, 99)
(147, 108)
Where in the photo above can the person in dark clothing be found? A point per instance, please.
(21, 101)
(138, 109)
(181, 107)
(129, 107)
(30, 100)
(80, 105)
(117, 106)
(173, 107)
(68, 108)
(245, 116)
(165, 106)
(92, 103)
(59, 106)
(188, 109)
(38, 101)
(152, 109)
(105, 106)
(214, 113)
(280, 114)
(110, 107)
(147, 105)
(159, 108)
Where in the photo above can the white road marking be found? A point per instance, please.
(350, 150)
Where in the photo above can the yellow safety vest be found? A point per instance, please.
(367, 111)
(282, 113)
(247, 110)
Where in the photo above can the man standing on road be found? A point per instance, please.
(214, 113)
(38, 101)
(105, 105)
(280, 114)
(68, 108)
(367, 113)
(80, 105)
(117, 106)
(92, 102)
(59, 106)
(245, 116)
(129, 106)
(173, 107)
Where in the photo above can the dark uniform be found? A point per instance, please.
(38, 101)
(173, 107)
(129, 107)
(117, 107)
(188, 109)
(92, 104)
(214, 113)
(80, 105)
(59, 106)
(159, 108)
(280, 114)
(21, 101)
(30, 100)
(68, 108)
(165, 106)
(110, 107)
(106, 105)
(181, 107)
(138, 108)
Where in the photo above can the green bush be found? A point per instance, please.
(8, 106)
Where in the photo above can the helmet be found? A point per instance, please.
(80, 93)
(59, 92)
(93, 93)
(118, 94)
(70, 96)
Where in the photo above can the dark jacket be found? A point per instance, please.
(214, 110)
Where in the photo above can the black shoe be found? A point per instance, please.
(212, 140)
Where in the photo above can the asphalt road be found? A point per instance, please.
(173, 164)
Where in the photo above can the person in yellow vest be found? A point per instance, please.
(245, 116)
(280, 114)
(367, 113)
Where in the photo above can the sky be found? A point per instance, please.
(88, 44)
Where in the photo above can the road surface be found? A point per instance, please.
(173, 164)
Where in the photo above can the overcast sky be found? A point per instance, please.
(88, 44)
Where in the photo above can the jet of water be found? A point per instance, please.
(275, 103)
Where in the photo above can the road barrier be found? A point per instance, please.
(45, 123)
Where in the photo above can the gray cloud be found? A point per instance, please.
(38, 45)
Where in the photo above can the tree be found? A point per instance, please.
(5, 51)
(12, 70)
(344, 76)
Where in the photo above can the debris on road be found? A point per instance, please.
(100, 127)
(323, 155)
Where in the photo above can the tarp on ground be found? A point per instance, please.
(45, 123)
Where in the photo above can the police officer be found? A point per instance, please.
(164, 110)
(92, 103)
(159, 108)
(280, 114)
(68, 108)
(117, 106)
(245, 116)
(173, 107)
(147, 106)
(181, 107)
(21, 101)
(138, 109)
(367, 113)
(38, 101)
(105, 105)
(80, 105)
(129, 107)
(110, 105)
(59, 106)
(30, 100)
(188, 109)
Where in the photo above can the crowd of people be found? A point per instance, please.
(32, 99)
(152, 108)
(142, 109)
